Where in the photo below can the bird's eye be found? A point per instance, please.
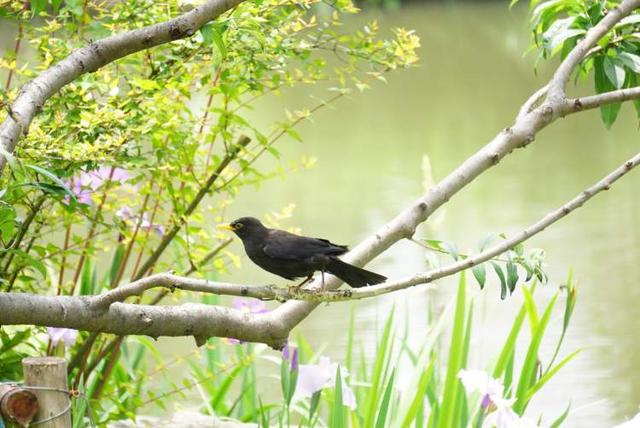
(238, 226)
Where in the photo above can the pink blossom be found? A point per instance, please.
(67, 335)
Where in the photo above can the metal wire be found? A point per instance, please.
(72, 395)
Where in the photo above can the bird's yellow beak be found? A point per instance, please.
(225, 226)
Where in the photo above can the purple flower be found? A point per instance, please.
(145, 224)
(67, 335)
(86, 183)
(127, 215)
(500, 412)
(290, 354)
(314, 377)
(252, 306)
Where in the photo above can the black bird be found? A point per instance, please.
(292, 256)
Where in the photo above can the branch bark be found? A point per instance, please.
(88, 59)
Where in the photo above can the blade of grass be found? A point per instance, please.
(510, 344)
(349, 356)
(419, 395)
(532, 311)
(462, 410)
(528, 372)
(561, 418)
(386, 398)
(338, 407)
(547, 376)
(383, 351)
(452, 384)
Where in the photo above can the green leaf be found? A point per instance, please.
(509, 345)
(636, 102)
(547, 376)
(38, 6)
(614, 71)
(7, 222)
(418, 399)
(88, 283)
(11, 160)
(386, 399)
(530, 306)
(60, 185)
(631, 61)
(213, 37)
(118, 257)
(456, 349)
(313, 406)
(512, 276)
(561, 418)
(608, 112)
(503, 282)
(480, 273)
(528, 372)
(452, 250)
(338, 407)
(383, 350)
(31, 261)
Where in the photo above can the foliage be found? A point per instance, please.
(614, 63)
(145, 154)
(505, 267)
(403, 385)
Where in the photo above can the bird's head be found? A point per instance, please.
(244, 226)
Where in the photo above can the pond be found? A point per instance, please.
(473, 78)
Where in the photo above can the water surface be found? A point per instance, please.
(472, 79)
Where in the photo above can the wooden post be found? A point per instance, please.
(17, 405)
(49, 372)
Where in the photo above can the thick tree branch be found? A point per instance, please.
(191, 319)
(33, 95)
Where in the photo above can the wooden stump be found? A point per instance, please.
(17, 405)
(49, 372)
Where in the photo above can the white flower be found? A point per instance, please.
(501, 413)
(314, 377)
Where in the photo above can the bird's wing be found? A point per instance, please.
(284, 245)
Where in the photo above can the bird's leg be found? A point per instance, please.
(306, 280)
(322, 282)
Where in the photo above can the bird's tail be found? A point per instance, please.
(353, 275)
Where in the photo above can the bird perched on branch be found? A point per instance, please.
(292, 256)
